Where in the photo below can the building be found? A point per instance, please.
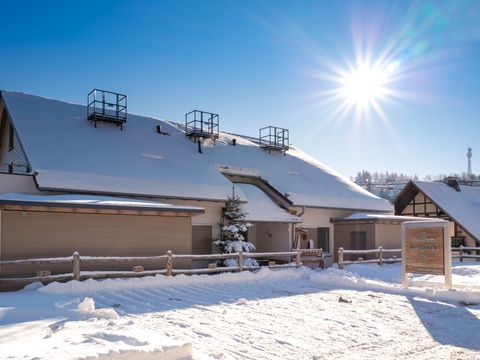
(459, 204)
(361, 231)
(34, 226)
(49, 148)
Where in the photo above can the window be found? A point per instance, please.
(324, 238)
(10, 137)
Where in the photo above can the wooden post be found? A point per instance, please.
(380, 255)
(169, 262)
(340, 258)
(76, 266)
(461, 253)
(297, 259)
(240, 260)
(447, 257)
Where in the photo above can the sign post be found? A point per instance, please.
(426, 250)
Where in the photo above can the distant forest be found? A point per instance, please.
(365, 177)
(388, 185)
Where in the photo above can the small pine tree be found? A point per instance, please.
(233, 230)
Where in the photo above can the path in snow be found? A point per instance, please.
(287, 314)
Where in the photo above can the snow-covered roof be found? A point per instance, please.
(463, 206)
(259, 207)
(68, 153)
(380, 217)
(85, 201)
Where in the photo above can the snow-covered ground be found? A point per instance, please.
(360, 312)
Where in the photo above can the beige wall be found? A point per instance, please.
(313, 218)
(252, 235)
(22, 184)
(272, 237)
(389, 236)
(212, 215)
(42, 234)
(343, 237)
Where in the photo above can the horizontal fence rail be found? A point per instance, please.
(75, 260)
(465, 252)
(462, 252)
(378, 260)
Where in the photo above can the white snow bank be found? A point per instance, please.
(87, 307)
(371, 277)
(107, 285)
(288, 313)
(180, 352)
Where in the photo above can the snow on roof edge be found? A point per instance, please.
(93, 202)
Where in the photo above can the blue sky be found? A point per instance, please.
(260, 63)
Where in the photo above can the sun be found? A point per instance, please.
(364, 85)
(360, 89)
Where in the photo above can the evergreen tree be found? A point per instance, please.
(233, 231)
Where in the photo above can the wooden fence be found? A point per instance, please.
(464, 252)
(380, 260)
(138, 271)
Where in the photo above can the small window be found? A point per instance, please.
(10, 137)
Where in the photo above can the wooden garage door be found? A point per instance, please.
(202, 239)
(43, 234)
(59, 234)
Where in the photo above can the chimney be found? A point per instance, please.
(453, 183)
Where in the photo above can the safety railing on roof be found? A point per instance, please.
(202, 124)
(107, 106)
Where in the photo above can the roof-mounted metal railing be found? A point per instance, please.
(274, 138)
(107, 106)
(202, 124)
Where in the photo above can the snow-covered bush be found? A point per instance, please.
(233, 231)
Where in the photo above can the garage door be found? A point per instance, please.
(48, 234)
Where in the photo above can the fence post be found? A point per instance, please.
(297, 259)
(169, 262)
(461, 253)
(240, 260)
(340, 258)
(76, 266)
(380, 255)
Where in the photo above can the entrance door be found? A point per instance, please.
(201, 244)
(358, 242)
(324, 239)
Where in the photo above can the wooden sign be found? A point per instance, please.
(426, 249)
(424, 253)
